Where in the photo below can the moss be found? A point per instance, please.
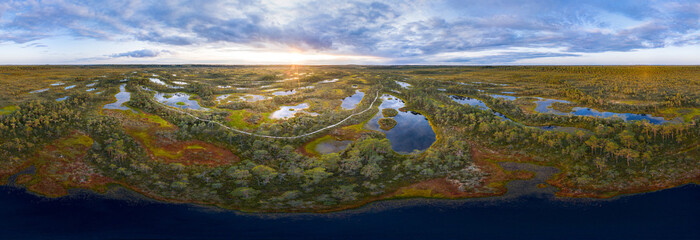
(180, 103)
(387, 124)
(414, 192)
(687, 114)
(8, 109)
(239, 119)
(311, 146)
(389, 112)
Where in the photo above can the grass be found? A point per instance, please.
(8, 109)
(237, 119)
(687, 114)
(311, 146)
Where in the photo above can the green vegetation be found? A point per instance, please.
(387, 124)
(7, 109)
(389, 112)
(195, 156)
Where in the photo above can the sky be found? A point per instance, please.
(435, 32)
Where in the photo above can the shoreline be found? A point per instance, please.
(515, 188)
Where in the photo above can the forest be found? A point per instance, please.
(326, 138)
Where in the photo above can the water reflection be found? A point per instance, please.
(331, 146)
(478, 104)
(122, 97)
(412, 131)
(285, 93)
(506, 97)
(291, 111)
(545, 106)
(39, 90)
(179, 100)
(252, 97)
(351, 102)
(403, 84)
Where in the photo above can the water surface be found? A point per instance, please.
(179, 100)
(403, 84)
(478, 104)
(285, 93)
(122, 97)
(331, 146)
(291, 111)
(506, 97)
(412, 130)
(545, 106)
(252, 97)
(121, 214)
(39, 90)
(351, 102)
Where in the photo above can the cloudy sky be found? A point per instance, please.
(463, 32)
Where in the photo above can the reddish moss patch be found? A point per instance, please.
(146, 131)
(492, 185)
(60, 166)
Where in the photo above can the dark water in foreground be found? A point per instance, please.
(667, 214)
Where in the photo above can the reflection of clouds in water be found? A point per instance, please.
(412, 131)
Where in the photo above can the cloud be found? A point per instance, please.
(143, 53)
(383, 28)
(506, 58)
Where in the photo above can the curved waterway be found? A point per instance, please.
(122, 97)
(412, 131)
(545, 106)
(121, 214)
(478, 104)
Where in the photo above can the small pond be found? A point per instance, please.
(178, 100)
(252, 98)
(91, 84)
(329, 81)
(506, 97)
(545, 106)
(40, 90)
(331, 146)
(403, 84)
(61, 99)
(291, 111)
(477, 103)
(412, 131)
(57, 84)
(285, 93)
(351, 102)
(69, 87)
(91, 89)
(179, 83)
(122, 97)
(158, 81)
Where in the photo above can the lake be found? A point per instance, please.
(351, 102)
(412, 130)
(667, 214)
(286, 112)
(178, 100)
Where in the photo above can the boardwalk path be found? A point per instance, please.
(268, 136)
